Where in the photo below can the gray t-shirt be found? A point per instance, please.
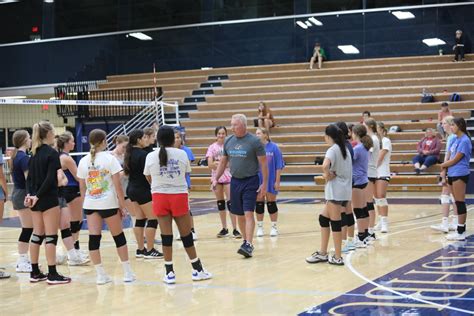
(339, 188)
(242, 154)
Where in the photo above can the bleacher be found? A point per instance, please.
(304, 102)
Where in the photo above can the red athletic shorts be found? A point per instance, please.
(175, 205)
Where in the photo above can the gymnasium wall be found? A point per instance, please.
(375, 34)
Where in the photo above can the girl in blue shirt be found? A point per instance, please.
(275, 166)
(458, 173)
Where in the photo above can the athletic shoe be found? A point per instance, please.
(23, 265)
(337, 262)
(246, 250)
(456, 236)
(61, 258)
(34, 278)
(260, 231)
(317, 257)
(78, 261)
(378, 226)
(236, 234)
(103, 279)
(359, 243)
(57, 278)
(273, 232)
(371, 238)
(223, 233)
(453, 227)
(441, 228)
(170, 278)
(153, 254)
(201, 275)
(384, 228)
(84, 253)
(129, 277)
(140, 253)
(345, 247)
(351, 246)
(4, 275)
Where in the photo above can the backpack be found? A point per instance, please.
(454, 97)
(394, 129)
(427, 98)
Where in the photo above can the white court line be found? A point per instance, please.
(349, 265)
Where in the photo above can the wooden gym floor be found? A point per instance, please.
(409, 270)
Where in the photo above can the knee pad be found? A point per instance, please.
(359, 213)
(221, 205)
(324, 221)
(260, 208)
(152, 223)
(37, 239)
(461, 205)
(25, 235)
(343, 220)
(229, 204)
(382, 202)
(272, 207)
(366, 211)
(120, 240)
(65, 233)
(94, 242)
(350, 220)
(52, 239)
(188, 241)
(445, 199)
(75, 227)
(370, 206)
(140, 222)
(167, 240)
(336, 226)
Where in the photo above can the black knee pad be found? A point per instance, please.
(260, 207)
(187, 240)
(25, 235)
(37, 239)
(152, 223)
(324, 221)
(65, 233)
(359, 213)
(120, 240)
(272, 207)
(229, 204)
(140, 222)
(167, 240)
(52, 239)
(94, 242)
(336, 226)
(221, 205)
(461, 206)
(350, 220)
(366, 211)
(370, 206)
(75, 227)
(343, 220)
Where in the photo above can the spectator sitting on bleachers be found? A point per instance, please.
(318, 55)
(458, 47)
(444, 112)
(265, 117)
(365, 115)
(428, 151)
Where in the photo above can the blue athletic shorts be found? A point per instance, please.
(243, 194)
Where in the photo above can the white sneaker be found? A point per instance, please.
(129, 277)
(201, 275)
(453, 227)
(23, 265)
(441, 228)
(78, 261)
(170, 278)
(384, 227)
(260, 231)
(274, 232)
(103, 279)
(359, 243)
(61, 258)
(83, 253)
(456, 236)
(345, 247)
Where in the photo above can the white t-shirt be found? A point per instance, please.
(373, 157)
(100, 193)
(172, 178)
(339, 188)
(384, 169)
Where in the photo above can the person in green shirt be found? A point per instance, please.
(318, 55)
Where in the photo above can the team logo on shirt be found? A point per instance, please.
(171, 170)
(97, 185)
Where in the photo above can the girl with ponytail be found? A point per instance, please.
(383, 178)
(337, 171)
(43, 200)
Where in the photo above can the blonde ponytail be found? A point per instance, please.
(40, 132)
(96, 137)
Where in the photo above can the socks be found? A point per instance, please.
(52, 270)
(169, 267)
(196, 263)
(461, 229)
(370, 230)
(35, 268)
(99, 268)
(76, 245)
(126, 267)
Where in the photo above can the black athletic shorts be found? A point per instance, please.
(139, 195)
(372, 179)
(383, 179)
(69, 193)
(102, 213)
(46, 202)
(463, 178)
(360, 186)
(341, 203)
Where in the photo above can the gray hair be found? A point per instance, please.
(241, 117)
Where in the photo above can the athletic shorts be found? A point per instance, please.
(341, 203)
(18, 199)
(463, 178)
(360, 186)
(46, 202)
(243, 194)
(69, 193)
(175, 205)
(139, 195)
(103, 213)
(62, 202)
(2, 193)
(372, 179)
(383, 179)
